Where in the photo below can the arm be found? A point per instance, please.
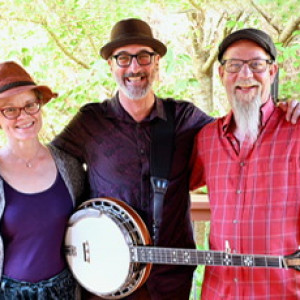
(197, 177)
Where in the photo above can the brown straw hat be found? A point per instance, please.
(132, 31)
(15, 80)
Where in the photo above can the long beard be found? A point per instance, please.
(133, 92)
(247, 116)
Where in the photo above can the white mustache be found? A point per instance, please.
(246, 83)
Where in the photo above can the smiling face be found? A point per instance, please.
(135, 81)
(246, 85)
(25, 126)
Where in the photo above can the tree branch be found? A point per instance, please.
(265, 16)
(195, 5)
(63, 49)
(43, 24)
(286, 34)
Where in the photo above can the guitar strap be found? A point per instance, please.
(162, 142)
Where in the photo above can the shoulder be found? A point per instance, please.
(211, 130)
(188, 112)
(95, 107)
(64, 160)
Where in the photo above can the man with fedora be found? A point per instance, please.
(113, 138)
(250, 162)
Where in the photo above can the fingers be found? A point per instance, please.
(283, 105)
(293, 112)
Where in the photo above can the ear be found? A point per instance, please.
(221, 72)
(110, 62)
(156, 60)
(273, 70)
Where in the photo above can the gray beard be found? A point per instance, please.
(135, 93)
(247, 117)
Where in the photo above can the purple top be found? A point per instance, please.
(116, 150)
(33, 227)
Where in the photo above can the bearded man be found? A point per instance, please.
(113, 139)
(250, 161)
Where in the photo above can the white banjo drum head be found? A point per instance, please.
(98, 252)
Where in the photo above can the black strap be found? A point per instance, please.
(15, 84)
(162, 142)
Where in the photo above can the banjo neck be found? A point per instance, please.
(157, 255)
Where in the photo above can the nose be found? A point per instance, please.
(245, 71)
(22, 112)
(134, 66)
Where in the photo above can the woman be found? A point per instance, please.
(39, 187)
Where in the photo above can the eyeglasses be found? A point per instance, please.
(143, 58)
(258, 65)
(12, 113)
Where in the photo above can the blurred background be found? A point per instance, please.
(58, 42)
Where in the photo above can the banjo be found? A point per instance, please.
(108, 249)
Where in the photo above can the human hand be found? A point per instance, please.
(292, 109)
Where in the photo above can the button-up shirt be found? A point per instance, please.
(254, 194)
(116, 150)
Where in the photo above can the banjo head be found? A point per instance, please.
(99, 237)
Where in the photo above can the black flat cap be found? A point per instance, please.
(252, 34)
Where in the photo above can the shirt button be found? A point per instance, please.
(242, 164)
(142, 151)
(238, 191)
(234, 221)
(235, 280)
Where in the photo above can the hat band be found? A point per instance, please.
(15, 84)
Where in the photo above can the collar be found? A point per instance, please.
(266, 110)
(114, 109)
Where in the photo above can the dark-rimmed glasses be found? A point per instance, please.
(124, 59)
(13, 112)
(257, 65)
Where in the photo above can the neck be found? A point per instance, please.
(24, 152)
(138, 109)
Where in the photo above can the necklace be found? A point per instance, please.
(28, 163)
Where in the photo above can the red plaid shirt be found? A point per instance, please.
(255, 204)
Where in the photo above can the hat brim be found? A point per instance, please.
(44, 90)
(156, 45)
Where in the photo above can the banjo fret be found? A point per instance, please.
(158, 255)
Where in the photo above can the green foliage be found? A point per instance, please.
(58, 43)
(289, 76)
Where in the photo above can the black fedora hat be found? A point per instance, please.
(132, 31)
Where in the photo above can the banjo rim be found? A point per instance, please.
(144, 236)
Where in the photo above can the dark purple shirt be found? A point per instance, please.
(116, 150)
(33, 227)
